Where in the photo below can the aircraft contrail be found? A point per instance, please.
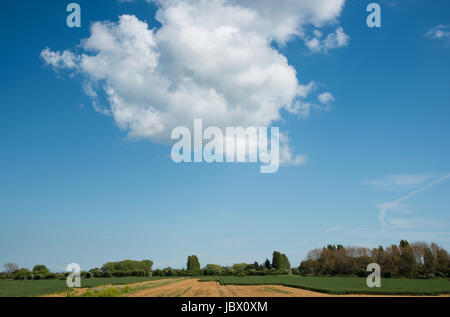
(388, 205)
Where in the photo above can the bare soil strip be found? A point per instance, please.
(168, 290)
(215, 289)
(194, 288)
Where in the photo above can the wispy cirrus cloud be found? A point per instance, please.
(414, 223)
(334, 229)
(390, 3)
(395, 182)
(398, 204)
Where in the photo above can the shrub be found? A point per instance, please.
(38, 277)
(362, 273)
(138, 272)
(387, 274)
(252, 272)
(241, 274)
(50, 276)
(295, 271)
(431, 276)
(20, 274)
(158, 272)
(263, 272)
(107, 292)
(180, 272)
(119, 273)
(107, 274)
(168, 272)
(88, 275)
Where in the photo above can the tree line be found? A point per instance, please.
(110, 269)
(279, 266)
(415, 260)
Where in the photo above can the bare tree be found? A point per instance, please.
(11, 267)
(419, 251)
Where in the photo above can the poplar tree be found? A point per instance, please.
(193, 264)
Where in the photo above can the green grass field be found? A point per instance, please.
(43, 287)
(344, 285)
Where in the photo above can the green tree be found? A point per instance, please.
(239, 268)
(404, 243)
(168, 271)
(276, 260)
(213, 269)
(407, 260)
(21, 274)
(286, 264)
(193, 264)
(128, 266)
(254, 266)
(309, 267)
(158, 272)
(40, 270)
(280, 261)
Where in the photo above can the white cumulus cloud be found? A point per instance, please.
(210, 59)
(439, 32)
(333, 40)
(326, 98)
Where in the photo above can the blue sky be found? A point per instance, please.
(76, 186)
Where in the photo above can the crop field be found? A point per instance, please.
(225, 286)
(43, 287)
(344, 285)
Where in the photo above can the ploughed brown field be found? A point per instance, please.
(194, 288)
